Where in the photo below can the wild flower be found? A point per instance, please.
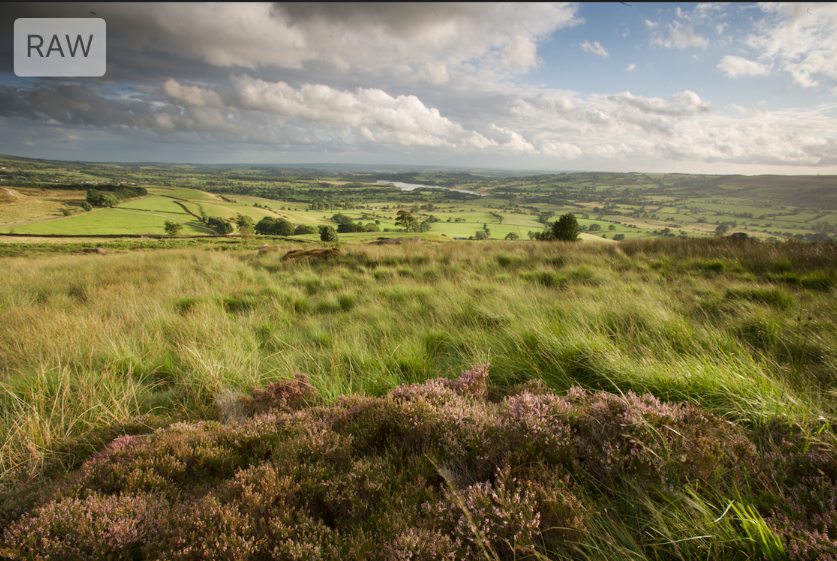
(97, 527)
(289, 395)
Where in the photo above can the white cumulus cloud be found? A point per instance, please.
(595, 48)
(800, 38)
(735, 66)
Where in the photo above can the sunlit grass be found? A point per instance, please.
(167, 331)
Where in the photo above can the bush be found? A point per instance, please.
(86, 206)
(173, 228)
(328, 234)
(565, 229)
(304, 229)
(219, 225)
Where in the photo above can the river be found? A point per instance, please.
(413, 186)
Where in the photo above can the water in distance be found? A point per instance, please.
(413, 186)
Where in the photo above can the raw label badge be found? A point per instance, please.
(60, 47)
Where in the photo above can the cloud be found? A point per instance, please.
(681, 37)
(650, 24)
(735, 66)
(683, 128)
(631, 67)
(348, 38)
(800, 39)
(595, 48)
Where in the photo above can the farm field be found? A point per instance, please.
(636, 206)
(112, 221)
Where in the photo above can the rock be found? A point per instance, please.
(312, 255)
(267, 248)
(97, 250)
(387, 241)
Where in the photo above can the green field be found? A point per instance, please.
(110, 222)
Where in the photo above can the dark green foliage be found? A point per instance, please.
(565, 229)
(328, 234)
(406, 220)
(110, 195)
(86, 206)
(341, 218)
(303, 229)
(173, 228)
(219, 225)
(269, 226)
(349, 227)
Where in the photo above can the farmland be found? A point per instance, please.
(628, 205)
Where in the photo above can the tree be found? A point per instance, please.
(512, 236)
(341, 218)
(244, 222)
(565, 229)
(266, 225)
(284, 228)
(595, 227)
(612, 228)
(405, 219)
(173, 228)
(619, 237)
(721, 230)
(86, 206)
(219, 225)
(303, 229)
(328, 234)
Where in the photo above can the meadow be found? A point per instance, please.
(653, 399)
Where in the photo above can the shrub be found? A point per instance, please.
(328, 234)
(565, 228)
(86, 206)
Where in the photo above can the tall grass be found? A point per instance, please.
(88, 342)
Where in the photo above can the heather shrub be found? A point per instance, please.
(539, 426)
(290, 395)
(665, 444)
(438, 470)
(507, 517)
(799, 499)
(96, 527)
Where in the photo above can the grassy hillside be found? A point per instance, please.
(737, 340)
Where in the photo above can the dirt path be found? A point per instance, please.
(12, 193)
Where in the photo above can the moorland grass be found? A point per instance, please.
(87, 344)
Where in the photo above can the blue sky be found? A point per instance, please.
(679, 87)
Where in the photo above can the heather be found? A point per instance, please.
(663, 400)
(437, 470)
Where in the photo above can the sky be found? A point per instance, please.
(664, 87)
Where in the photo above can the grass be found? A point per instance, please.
(94, 343)
(31, 204)
(111, 221)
